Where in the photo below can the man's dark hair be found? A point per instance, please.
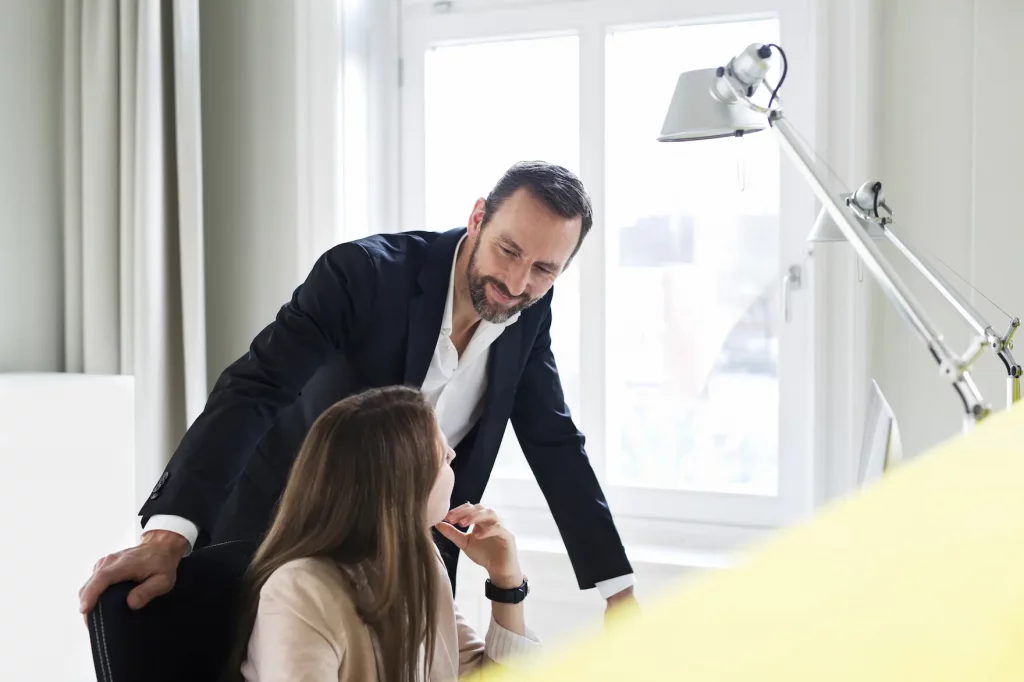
(559, 189)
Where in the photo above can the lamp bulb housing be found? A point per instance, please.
(745, 72)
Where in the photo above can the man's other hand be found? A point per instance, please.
(153, 564)
(621, 605)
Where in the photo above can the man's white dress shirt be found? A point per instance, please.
(455, 386)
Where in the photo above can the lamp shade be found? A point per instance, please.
(695, 115)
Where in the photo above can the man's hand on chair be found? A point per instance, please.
(153, 564)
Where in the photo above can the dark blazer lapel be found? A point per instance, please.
(426, 307)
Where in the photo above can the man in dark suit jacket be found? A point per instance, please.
(465, 315)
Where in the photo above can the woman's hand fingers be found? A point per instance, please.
(457, 537)
(481, 516)
(459, 515)
(482, 521)
(462, 508)
(487, 543)
(489, 530)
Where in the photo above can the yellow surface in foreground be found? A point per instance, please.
(918, 577)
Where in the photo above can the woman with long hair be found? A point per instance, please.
(348, 585)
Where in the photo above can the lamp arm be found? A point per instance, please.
(865, 204)
(962, 306)
(950, 365)
(1002, 344)
(1013, 369)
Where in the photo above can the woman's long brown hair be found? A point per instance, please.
(358, 492)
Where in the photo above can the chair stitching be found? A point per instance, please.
(95, 635)
(103, 637)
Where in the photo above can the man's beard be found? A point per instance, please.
(495, 314)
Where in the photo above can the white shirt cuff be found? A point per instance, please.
(506, 647)
(611, 587)
(175, 524)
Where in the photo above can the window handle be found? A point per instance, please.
(790, 282)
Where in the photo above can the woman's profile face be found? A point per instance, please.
(439, 501)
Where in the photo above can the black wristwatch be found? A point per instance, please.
(506, 596)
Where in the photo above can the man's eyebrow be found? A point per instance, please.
(509, 244)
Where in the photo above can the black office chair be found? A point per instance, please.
(184, 635)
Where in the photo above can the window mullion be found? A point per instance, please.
(592, 256)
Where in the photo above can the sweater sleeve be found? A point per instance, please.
(499, 646)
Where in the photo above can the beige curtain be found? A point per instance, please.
(133, 228)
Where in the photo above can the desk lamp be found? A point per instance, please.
(718, 102)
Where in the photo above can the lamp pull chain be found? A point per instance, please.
(741, 164)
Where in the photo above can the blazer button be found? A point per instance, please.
(159, 484)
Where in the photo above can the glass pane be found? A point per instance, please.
(489, 105)
(693, 234)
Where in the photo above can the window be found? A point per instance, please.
(680, 219)
(667, 328)
(473, 134)
(482, 116)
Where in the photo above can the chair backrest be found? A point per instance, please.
(183, 635)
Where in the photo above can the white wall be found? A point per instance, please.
(66, 499)
(31, 265)
(953, 168)
(248, 58)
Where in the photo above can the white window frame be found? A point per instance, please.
(642, 514)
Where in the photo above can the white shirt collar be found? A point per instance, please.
(446, 321)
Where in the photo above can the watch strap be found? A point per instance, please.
(513, 595)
